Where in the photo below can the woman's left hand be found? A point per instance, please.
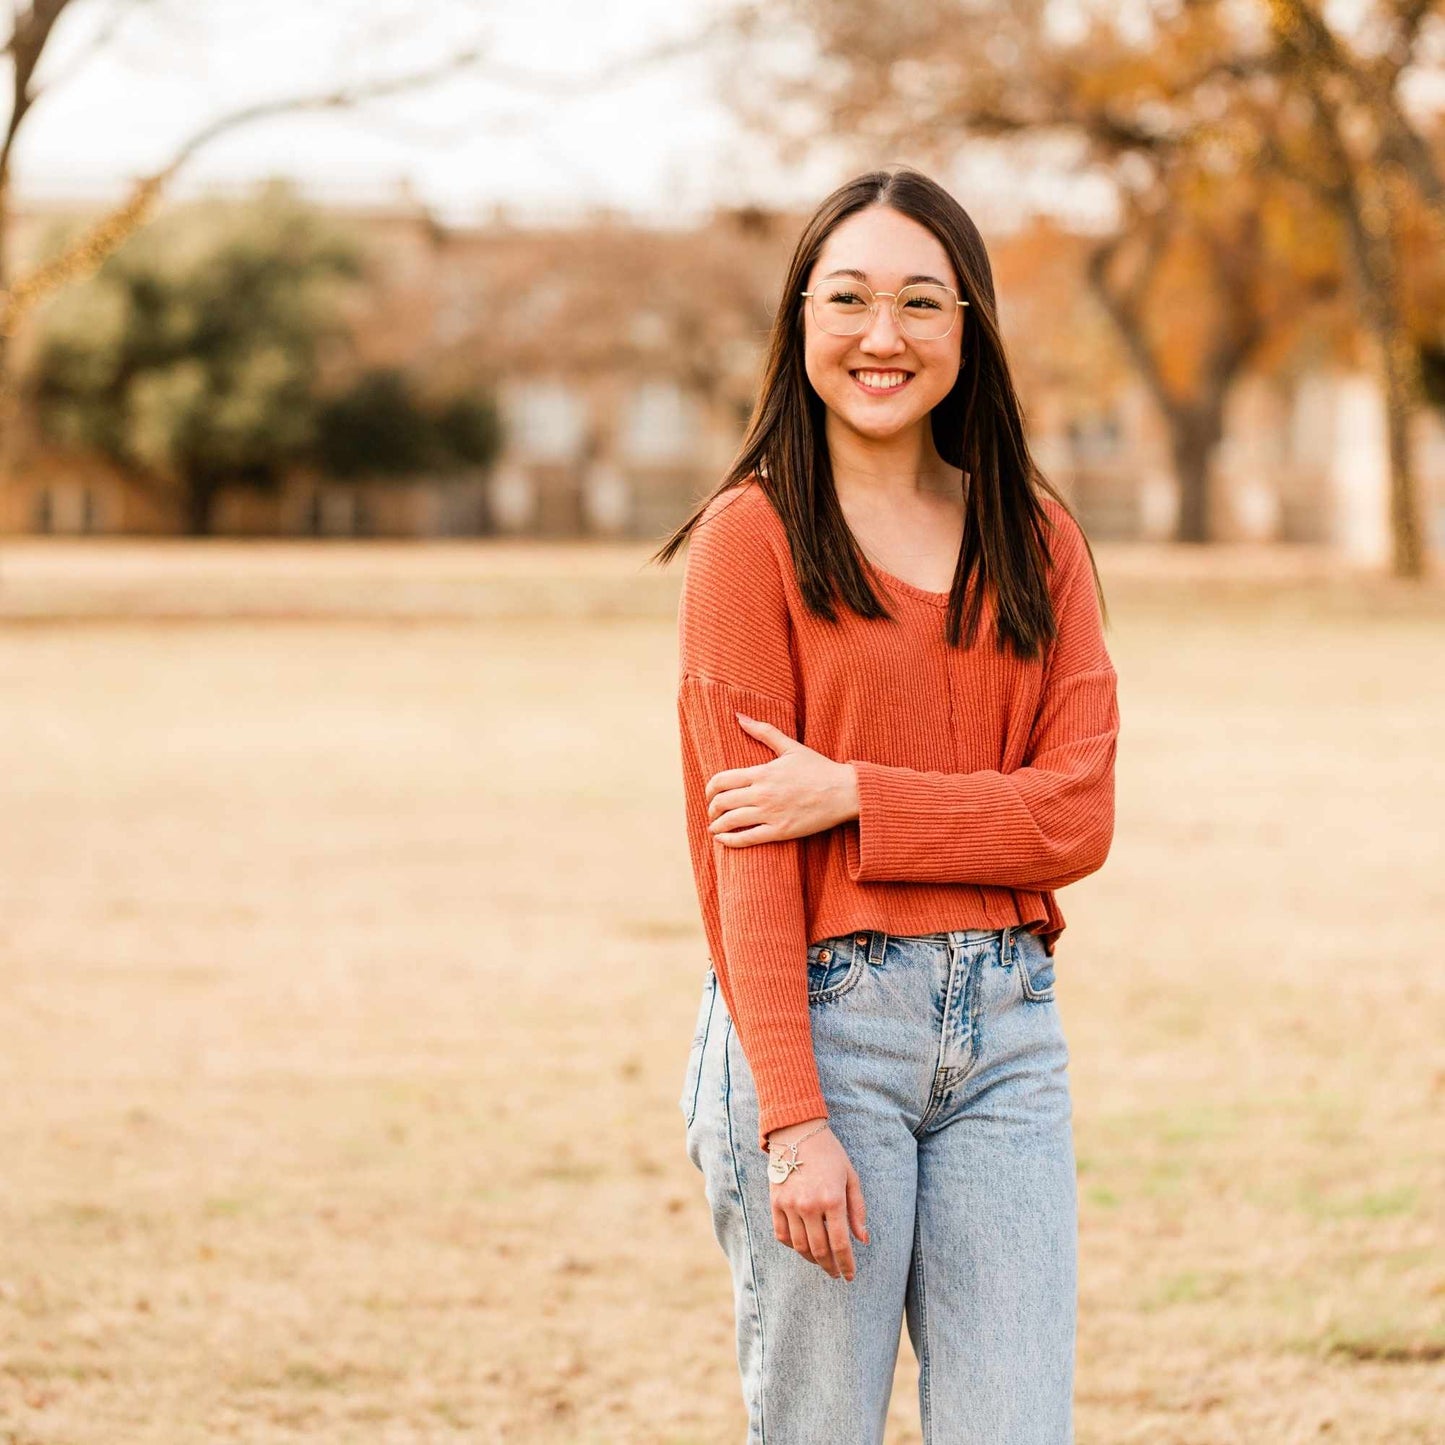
(797, 793)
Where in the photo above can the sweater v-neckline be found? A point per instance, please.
(939, 599)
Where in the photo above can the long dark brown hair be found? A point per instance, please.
(978, 427)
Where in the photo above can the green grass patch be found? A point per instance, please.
(1189, 1287)
(1372, 1204)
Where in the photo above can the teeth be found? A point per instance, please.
(882, 379)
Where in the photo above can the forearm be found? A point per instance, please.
(1039, 826)
(759, 894)
(764, 942)
(1020, 830)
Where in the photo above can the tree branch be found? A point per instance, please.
(101, 239)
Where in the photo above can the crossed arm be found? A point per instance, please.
(1042, 826)
(1047, 823)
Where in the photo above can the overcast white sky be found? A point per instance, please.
(659, 144)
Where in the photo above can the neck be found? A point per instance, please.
(898, 467)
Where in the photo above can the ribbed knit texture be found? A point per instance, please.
(985, 782)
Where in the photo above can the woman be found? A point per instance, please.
(898, 722)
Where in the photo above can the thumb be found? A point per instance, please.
(775, 738)
(857, 1213)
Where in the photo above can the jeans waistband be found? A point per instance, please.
(877, 939)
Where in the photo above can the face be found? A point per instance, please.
(852, 373)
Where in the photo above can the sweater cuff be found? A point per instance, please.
(779, 1115)
(890, 838)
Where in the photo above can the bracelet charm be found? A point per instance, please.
(780, 1165)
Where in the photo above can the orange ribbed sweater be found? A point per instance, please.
(985, 782)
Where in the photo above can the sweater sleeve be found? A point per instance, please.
(1048, 823)
(736, 656)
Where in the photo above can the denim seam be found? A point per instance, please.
(700, 1044)
(747, 1231)
(966, 993)
(938, 1094)
(925, 1395)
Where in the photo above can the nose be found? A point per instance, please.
(882, 336)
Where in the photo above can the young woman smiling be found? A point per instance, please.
(898, 723)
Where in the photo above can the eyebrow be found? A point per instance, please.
(862, 276)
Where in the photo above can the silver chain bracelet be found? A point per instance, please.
(779, 1166)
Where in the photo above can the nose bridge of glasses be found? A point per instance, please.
(892, 310)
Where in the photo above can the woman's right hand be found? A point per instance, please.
(815, 1206)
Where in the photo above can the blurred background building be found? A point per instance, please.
(1217, 248)
(620, 359)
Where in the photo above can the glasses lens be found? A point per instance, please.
(927, 312)
(841, 307)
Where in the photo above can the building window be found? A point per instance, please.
(662, 425)
(1096, 437)
(68, 508)
(546, 420)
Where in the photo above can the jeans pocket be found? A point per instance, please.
(1035, 966)
(687, 1100)
(834, 966)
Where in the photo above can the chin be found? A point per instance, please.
(877, 424)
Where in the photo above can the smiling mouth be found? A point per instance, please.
(879, 382)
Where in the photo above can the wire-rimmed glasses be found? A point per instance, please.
(924, 311)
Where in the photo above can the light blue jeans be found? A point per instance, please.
(945, 1070)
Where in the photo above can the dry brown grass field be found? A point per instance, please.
(348, 965)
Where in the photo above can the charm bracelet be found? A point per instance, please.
(780, 1166)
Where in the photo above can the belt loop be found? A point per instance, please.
(1005, 938)
(877, 942)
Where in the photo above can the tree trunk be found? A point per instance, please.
(1194, 434)
(1407, 540)
(1371, 212)
(1196, 423)
(9, 392)
(200, 499)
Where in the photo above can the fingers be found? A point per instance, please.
(728, 778)
(820, 1235)
(743, 837)
(857, 1212)
(819, 1243)
(840, 1245)
(782, 1231)
(740, 817)
(798, 1235)
(791, 1228)
(725, 799)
